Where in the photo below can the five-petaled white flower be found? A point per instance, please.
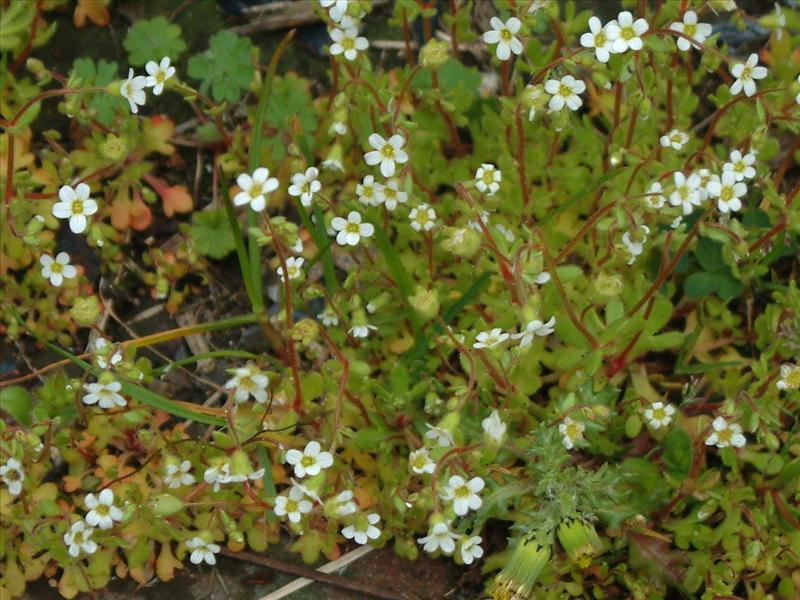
(105, 395)
(659, 414)
(441, 436)
(76, 206)
(686, 193)
(635, 246)
(328, 317)
(362, 330)
(676, 139)
(471, 548)
(746, 73)
(132, 89)
(57, 270)
(502, 34)
(741, 165)
(439, 537)
(494, 427)
(294, 505)
(420, 462)
(790, 377)
(310, 461)
(12, 475)
(386, 152)
(294, 268)
(727, 191)
(369, 192)
(564, 92)
(248, 381)
(725, 434)
(654, 198)
(176, 475)
(534, 328)
(597, 37)
(626, 32)
(488, 178)
(202, 551)
(363, 529)
(157, 74)
(572, 431)
(102, 512)
(305, 185)
(255, 188)
(79, 539)
(217, 474)
(690, 27)
(336, 8)
(422, 217)
(347, 42)
(351, 230)
(463, 494)
(391, 195)
(344, 504)
(490, 339)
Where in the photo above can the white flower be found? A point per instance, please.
(741, 166)
(157, 74)
(420, 462)
(344, 504)
(463, 494)
(102, 512)
(202, 551)
(533, 328)
(352, 230)
(305, 185)
(132, 89)
(310, 461)
(217, 475)
(57, 270)
(328, 317)
(294, 267)
(675, 139)
(248, 381)
(687, 192)
(386, 152)
(391, 195)
(746, 73)
(502, 34)
(471, 548)
(542, 278)
(790, 377)
(572, 432)
(177, 475)
(363, 529)
(727, 191)
(12, 475)
(294, 505)
(505, 232)
(79, 539)
(697, 31)
(488, 178)
(626, 32)
(655, 196)
(362, 331)
(336, 8)
(725, 434)
(704, 176)
(347, 42)
(442, 437)
(422, 217)
(659, 414)
(797, 98)
(75, 205)
(101, 354)
(105, 395)
(369, 192)
(439, 538)
(494, 427)
(255, 188)
(597, 37)
(489, 339)
(564, 91)
(635, 247)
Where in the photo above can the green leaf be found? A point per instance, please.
(700, 285)
(290, 106)
(153, 39)
(709, 255)
(211, 233)
(225, 68)
(678, 453)
(17, 402)
(105, 106)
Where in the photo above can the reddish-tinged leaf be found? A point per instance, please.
(95, 10)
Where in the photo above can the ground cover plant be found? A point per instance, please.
(516, 287)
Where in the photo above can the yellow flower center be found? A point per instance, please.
(738, 166)
(793, 378)
(462, 492)
(12, 475)
(422, 217)
(658, 414)
(725, 435)
(56, 267)
(291, 506)
(307, 461)
(348, 43)
(390, 193)
(506, 35)
(600, 39)
(747, 73)
(353, 228)
(564, 90)
(161, 76)
(726, 193)
(690, 29)
(77, 207)
(101, 510)
(488, 176)
(387, 151)
(627, 33)
(573, 431)
(255, 191)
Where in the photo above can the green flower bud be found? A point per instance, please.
(608, 285)
(240, 464)
(85, 311)
(425, 303)
(461, 241)
(165, 505)
(516, 580)
(114, 148)
(434, 54)
(580, 540)
(305, 331)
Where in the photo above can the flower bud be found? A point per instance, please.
(517, 578)
(305, 331)
(461, 241)
(165, 505)
(425, 303)
(608, 285)
(579, 540)
(434, 54)
(85, 311)
(114, 148)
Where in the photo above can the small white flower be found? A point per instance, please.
(471, 548)
(310, 461)
(542, 278)
(102, 512)
(741, 166)
(687, 192)
(101, 355)
(534, 328)
(176, 475)
(76, 206)
(328, 317)
(746, 73)
(725, 434)
(505, 232)
(362, 331)
(422, 217)
(655, 196)
(659, 414)
(626, 32)
(217, 474)
(488, 178)
(305, 185)
(132, 89)
(420, 462)
(463, 494)
(635, 247)
(336, 8)
(57, 270)
(79, 539)
(494, 427)
(442, 437)
(790, 377)
(676, 139)
(255, 188)
(727, 191)
(503, 34)
(248, 381)
(347, 42)
(564, 92)
(386, 153)
(572, 432)
(439, 538)
(490, 339)
(12, 475)
(369, 192)
(705, 177)
(391, 195)
(797, 98)
(363, 529)
(202, 551)
(157, 74)
(351, 230)
(344, 504)
(105, 395)
(293, 506)
(294, 268)
(690, 27)
(597, 37)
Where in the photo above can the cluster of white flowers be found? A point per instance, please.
(615, 37)
(102, 514)
(221, 472)
(133, 88)
(346, 41)
(496, 336)
(442, 538)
